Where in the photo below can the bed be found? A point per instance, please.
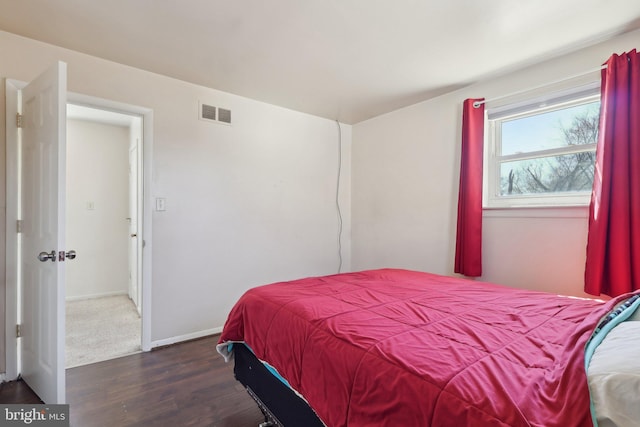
(405, 348)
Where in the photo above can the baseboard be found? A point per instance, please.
(94, 296)
(186, 337)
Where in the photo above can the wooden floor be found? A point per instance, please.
(186, 384)
(14, 392)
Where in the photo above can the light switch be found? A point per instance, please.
(161, 204)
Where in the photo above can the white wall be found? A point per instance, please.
(246, 204)
(97, 208)
(405, 188)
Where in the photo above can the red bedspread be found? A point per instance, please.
(402, 348)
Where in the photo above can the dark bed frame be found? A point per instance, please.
(280, 405)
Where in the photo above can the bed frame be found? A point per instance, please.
(280, 405)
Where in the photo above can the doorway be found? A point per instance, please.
(103, 286)
(35, 291)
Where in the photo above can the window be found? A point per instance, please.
(542, 152)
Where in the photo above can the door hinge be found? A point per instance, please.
(18, 330)
(18, 120)
(19, 226)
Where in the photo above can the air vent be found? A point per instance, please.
(208, 112)
(211, 113)
(224, 116)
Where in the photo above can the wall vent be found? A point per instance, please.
(211, 113)
(208, 112)
(224, 115)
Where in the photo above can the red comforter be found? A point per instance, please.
(402, 348)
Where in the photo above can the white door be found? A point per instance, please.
(134, 289)
(43, 233)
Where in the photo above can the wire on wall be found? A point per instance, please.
(338, 196)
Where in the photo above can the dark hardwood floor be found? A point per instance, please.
(15, 392)
(187, 384)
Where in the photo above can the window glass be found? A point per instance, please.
(553, 174)
(559, 128)
(543, 154)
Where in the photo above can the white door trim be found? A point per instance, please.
(12, 312)
(12, 306)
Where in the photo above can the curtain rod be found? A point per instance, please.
(584, 73)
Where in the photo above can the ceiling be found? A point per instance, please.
(341, 59)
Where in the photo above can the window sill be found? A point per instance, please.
(576, 211)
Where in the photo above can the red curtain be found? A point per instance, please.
(613, 243)
(469, 237)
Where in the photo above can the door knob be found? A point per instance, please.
(62, 255)
(44, 256)
(134, 235)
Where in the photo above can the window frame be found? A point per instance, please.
(542, 104)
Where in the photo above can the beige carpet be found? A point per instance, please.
(101, 329)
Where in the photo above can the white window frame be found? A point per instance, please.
(541, 104)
